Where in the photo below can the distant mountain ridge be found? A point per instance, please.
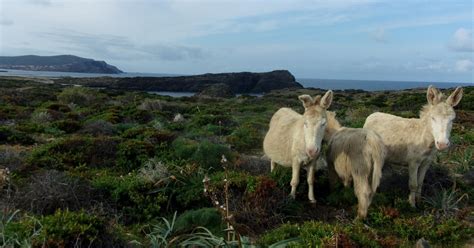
(62, 63)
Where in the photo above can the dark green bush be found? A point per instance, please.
(133, 153)
(136, 199)
(75, 151)
(66, 228)
(206, 154)
(81, 96)
(245, 138)
(68, 126)
(99, 127)
(12, 136)
(209, 218)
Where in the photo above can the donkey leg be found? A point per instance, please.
(363, 193)
(425, 165)
(295, 178)
(272, 165)
(310, 179)
(413, 182)
(332, 175)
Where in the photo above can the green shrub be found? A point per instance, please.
(133, 153)
(245, 138)
(189, 193)
(283, 232)
(12, 136)
(65, 228)
(75, 151)
(62, 229)
(79, 95)
(414, 228)
(205, 153)
(310, 234)
(136, 199)
(209, 218)
(68, 126)
(451, 231)
(17, 233)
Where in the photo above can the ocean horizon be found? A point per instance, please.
(334, 84)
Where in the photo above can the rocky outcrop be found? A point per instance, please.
(62, 63)
(242, 82)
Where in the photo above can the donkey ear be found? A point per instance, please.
(326, 100)
(307, 100)
(455, 97)
(433, 95)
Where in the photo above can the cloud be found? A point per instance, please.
(379, 35)
(120, 47)
(433, 66)
(462, 41)
(6, 22)
(41, 2)
(464, 65)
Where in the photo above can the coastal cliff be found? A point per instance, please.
(62, 63)
(239, 83)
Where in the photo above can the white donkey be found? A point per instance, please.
(294, 140)
(414, 141)
(355, 155)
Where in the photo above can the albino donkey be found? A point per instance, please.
(294, 140)
(414, 141)
(358, 155)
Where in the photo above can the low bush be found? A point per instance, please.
(245, 138)
(131, 154)
(13, 136)
(68, 126)
(136, 199)
(50, 190)
(204, 153)
(75, 151)
(81, 96)
(205, 217)
(99, 127)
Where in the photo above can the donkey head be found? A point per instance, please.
(315, 121)
(441, 114)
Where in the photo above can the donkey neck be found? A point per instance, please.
(332, 126)
(426, 133)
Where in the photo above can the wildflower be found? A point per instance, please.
(224, 159)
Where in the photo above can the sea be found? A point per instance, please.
(334, 84)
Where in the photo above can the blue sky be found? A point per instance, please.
(364, 39)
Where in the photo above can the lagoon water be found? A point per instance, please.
(335, 84)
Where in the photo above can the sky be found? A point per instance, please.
(405, 40)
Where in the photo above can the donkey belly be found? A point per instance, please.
(277, 149)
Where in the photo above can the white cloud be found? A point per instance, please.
(464, 65)
(462, 41)
(379, 35)
(6, 22)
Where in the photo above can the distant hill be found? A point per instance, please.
(63, 63)
(237, 82)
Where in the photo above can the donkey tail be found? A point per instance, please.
(378, 158)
